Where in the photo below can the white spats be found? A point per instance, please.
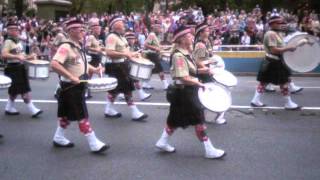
(289, 104)
(110, 111)
(163, 143)
(136, 114)
(146, 85)
(10, 109)
(165, 84)
(256, 100)
(293, 88)
(270, 88)
(143, 95)
(95, 144)
(33, 109)
(60, 140)
(211, 152)
(220, 119)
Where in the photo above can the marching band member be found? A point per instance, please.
(132, 41)
(185, 107)
(12, 52)
(152, 44)
(202, 52)
(273, 69)
(94, 48)
(118, 51)
(70, 64)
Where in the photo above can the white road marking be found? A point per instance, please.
(164, 104)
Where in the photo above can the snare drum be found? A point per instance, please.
(102, 84)
(141, 69)
(225, 78)
(215, 97)
(5, 82)
(38, 69)
(219, 63)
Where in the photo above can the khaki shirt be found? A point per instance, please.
(200, 52)
(272, 39)
(92, 42)
(117, 43)
(13, 48)
(181, 66)
(71, 59)
(153, 40)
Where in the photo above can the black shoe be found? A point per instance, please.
(69, 145)
(37, 114)
(146, 97)
(102, 149)
(118, 115)
(11, 113)
(299, 90)
(88, 97)
(294, 109)
(255, 105)
(1, 136)
(140, 119)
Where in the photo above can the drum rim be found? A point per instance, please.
(229, 73)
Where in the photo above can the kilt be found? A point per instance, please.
(71, 101)
(273, 71)
(185, 108)
(19, 76)
(95, 60)
(120, 71)
(155, 58)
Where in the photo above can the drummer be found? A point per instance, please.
(70, 64)
(94, 48)
(133, 46)
(152, 45)
(12, 52)
(118, 50)
(272, 69)
(202, 53)
(185, 107)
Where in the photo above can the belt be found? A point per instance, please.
(118, 60)
(272, 56)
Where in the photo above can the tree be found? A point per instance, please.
(19, 7)
(77, 6)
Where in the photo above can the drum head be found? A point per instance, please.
(220, 62)
(4, 81)
(215, 98)
(225, 78)
(306, 57)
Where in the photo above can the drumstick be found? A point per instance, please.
(83, 81)
(100, 71)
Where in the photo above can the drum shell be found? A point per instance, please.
(139, 71)
(5, 82)
(38, 71)
(107, 86)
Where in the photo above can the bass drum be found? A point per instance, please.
(307, 55)
(215, 97)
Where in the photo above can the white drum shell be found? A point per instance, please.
(38, 71)
(225, 78)
(5, 82)
(215, 97)
(104, 84)
(219, 62)
(306, 57)
(139, 71)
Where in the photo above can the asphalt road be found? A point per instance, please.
(264, 144)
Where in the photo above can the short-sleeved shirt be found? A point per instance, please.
(13, 48)
(202, 51)
(153, 40)
(71, 59)
(92, 42)
(60, 37)
(180, 65)
(272, 39)
(117, 43)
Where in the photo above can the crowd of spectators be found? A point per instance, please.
(229, 27)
